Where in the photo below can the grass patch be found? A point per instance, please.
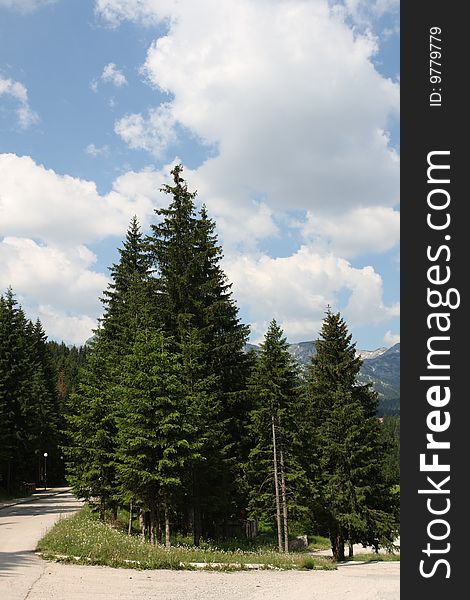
(373, 557)
(318, 542)
(84, 539)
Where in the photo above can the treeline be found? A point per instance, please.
(174, 420)
(35, 378)
(167, 414)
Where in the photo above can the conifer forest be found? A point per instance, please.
(166, 413)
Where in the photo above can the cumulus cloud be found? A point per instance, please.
(61, 281)
(390, 339)
(111, 74)
(154, 133)
(44, 272)
(366, 12)
(25, 6)
(16, 90)
(95, 151)
(47, 221)
(373, 229)
(285, 93)
(297, 289)
(39, 203)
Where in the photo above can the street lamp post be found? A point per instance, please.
(45, 470)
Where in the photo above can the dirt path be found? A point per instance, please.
(24, 576)
(21, 527)
(378, 581)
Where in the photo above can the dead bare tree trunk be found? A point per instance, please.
(142, 524)
(159, 526)
(276, 486)
(153, 536)
(129, 527)
(167, 528)
(285, 518)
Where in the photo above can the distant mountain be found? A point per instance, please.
(381, 367)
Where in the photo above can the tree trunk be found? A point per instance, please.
(159, 526)
(153, 537)
(285, 518)
(337, 546)
(197, 525)
(142, 524)
(276, 486)
(351, 550)
(129, 527)
(102, 511)
(167, 528)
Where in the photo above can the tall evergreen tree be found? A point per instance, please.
(93, 409)
(90, 448)
(28, 402)
(128, 297)
(274, 386)
(347, 456)
(197, 311)
(156, 436)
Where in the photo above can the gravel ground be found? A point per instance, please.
(373, 581)
(24, 576)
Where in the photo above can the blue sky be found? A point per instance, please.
(284, 114)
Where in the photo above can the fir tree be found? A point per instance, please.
(93, 409)
(90, 449)
(28, 402)
(347, 456)
(156, 438)
(197, 311)
(128, 297)
(274, 387)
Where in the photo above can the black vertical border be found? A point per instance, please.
(426, 128)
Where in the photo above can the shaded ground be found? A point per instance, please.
(377, 581)
(24, 576)
(21, 527)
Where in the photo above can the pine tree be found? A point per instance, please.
(90, 448)
(128, 297)
(197, 311)
(93, 409)
(274, 386)
(156, 438)
(9, 385)
(28, 402)
(347, 456)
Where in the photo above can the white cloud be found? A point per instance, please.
(59, 285)
(75, 329)
(25, 6)
(361, 230)
(146, 12)
(46, 221)
(297, 289)
(16, 90)
(154, 133)
(111, 74)
(49, 272)
(94, 151)
(365, 13)
(38, 203)
(390, 339)
(285, 92)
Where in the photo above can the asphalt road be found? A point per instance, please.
(21, 527)
(24, 576)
